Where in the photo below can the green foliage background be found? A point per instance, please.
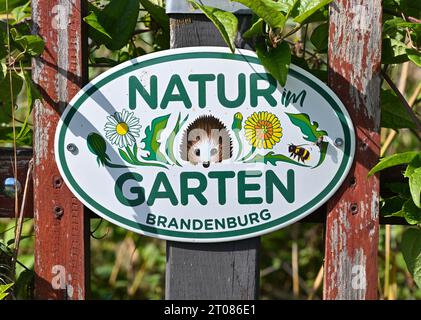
(127, 266)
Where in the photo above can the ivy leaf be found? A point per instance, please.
(11, 4)
(411, 251)
(32, 94)
(116, 23)
(414, 55)
(5, 99)
(225, 22)
(153, 134)
(306, 8)
(22, 283)
(21, 12)
(92, 20)
(394, 160)
(413, 172)
(255, 30)
(276, 61)
(411, 212)
(394, 114)
(269, 10)
(307, 127)
(319, 37)
(408, 7)
(31, 44)
(393, 51)
(6, 136)
(157, 13)
(391, 26)
(400, 188)
(392, 206)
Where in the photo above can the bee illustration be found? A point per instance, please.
(298, 151)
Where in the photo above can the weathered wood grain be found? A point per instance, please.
(227, 270)
(61, 244)
(353, 213)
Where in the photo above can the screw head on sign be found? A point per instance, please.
(71, 147)
(339, 142)
(11, 187)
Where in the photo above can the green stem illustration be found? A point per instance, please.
(248, 155)
(132, 158)
(240, 145)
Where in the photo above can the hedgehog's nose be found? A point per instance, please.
(206, 164)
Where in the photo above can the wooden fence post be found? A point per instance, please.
(353, 213)
(61, 238)
(228, 270)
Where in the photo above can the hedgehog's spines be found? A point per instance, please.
(207, 123)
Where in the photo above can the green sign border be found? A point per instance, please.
(202, 235)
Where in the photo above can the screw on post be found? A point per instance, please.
(58, 211)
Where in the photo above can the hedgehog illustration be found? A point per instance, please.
(206, 140)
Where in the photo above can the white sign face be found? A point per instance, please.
(202, 145)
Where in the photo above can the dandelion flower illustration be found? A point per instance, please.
(263, 130)
(122, 129)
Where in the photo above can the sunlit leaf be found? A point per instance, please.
(270, 11)
(255, 30)
(306, 8)
(411, 251)
(393, 113)
(413, 173)
(275, 60)
(319, 37)
(92, 20)
(118, 20)
(225, 22)
(394, 160)
(157, 13)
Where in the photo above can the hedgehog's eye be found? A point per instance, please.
(197, 152)
(213, 151)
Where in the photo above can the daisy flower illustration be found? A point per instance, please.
(122, 129)
(263, 130)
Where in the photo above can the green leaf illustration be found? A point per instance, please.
(124, 156)
(307, 127)
(169, 147)
(273, 158)
(153, 133)
(98, 146)
(323, 150)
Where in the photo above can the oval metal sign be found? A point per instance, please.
(202, 145)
